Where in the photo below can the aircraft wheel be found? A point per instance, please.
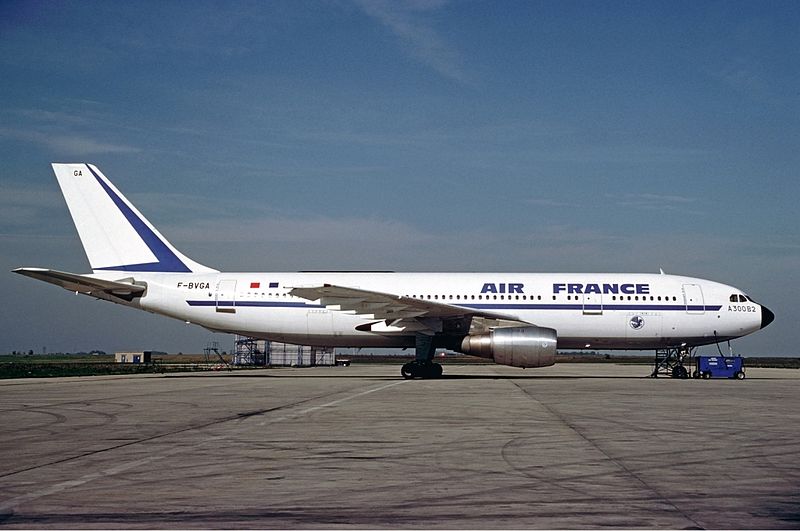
(421, 369)
(680, 372)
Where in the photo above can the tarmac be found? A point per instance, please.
(569, 446)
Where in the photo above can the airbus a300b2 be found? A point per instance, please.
(516, 319)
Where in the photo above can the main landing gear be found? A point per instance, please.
(421, 369)
(423, 366)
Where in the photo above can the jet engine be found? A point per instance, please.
(519, 346)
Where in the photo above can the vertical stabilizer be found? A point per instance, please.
(115, 235)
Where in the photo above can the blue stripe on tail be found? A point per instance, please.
(167, 261)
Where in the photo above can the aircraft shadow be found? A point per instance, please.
(297, 375)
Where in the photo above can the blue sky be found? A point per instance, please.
(419, 135)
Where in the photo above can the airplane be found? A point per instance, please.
(516, 319)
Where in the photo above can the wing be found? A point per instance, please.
(124, 289)
(396, 313)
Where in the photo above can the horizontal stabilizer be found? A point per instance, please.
(84, 284)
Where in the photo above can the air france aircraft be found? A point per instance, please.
(516, 319)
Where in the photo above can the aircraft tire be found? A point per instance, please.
(680, 372)
(414, 369)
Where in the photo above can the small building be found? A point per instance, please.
(145, 356)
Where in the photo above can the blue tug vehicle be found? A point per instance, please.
(719, 367)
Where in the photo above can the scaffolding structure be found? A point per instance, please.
(249, 351)
(260, 352)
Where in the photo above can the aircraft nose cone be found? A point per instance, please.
(766, 316)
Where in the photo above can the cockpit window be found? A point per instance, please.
(742, 298)
(734, 298)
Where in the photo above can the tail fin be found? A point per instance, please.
(115, 236)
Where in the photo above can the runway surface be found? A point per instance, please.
(569, 446)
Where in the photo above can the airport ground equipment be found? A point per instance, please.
(719, 367)
(214, 347)
(669, 362)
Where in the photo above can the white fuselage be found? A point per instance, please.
(598, 311)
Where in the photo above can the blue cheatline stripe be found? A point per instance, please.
(623, 307)
(610, 307)
(167, 261)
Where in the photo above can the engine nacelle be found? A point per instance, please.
(519, 346)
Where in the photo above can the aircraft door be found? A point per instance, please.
(225, 301)
(693, 298)
(319, 322)
(592, 304)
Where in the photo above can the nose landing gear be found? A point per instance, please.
(669, 362)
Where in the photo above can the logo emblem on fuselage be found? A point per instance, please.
(637, 322)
